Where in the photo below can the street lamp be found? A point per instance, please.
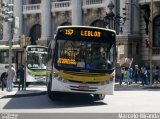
(7, 16)
(109, 18)
(113, 21)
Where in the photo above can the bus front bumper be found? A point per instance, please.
(72, 87)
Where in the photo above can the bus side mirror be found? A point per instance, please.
(52, 44)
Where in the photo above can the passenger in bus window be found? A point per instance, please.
(98, 61)
(89, 61)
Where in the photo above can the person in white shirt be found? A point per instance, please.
(11, 76)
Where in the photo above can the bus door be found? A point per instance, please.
(19, 58)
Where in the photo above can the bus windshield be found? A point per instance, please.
(82, 55)
(90, 49)
(36, 60)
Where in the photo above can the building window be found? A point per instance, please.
(137, 49)
(35, 1)
(156, 32)
(35, 33)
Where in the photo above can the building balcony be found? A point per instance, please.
(63, 6)
(89, 4)
(31, 9)
(156, 51)
(147, 1)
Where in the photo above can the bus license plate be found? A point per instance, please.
(83, 87)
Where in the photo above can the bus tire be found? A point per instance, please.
(54, 96)
(27, 84)
(99, 96)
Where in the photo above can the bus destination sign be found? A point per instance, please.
(83, 33)
(39, 49)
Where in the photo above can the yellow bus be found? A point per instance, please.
(81, 59)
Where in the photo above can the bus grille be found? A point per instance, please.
(84, 74)
(89, 89)
(83, 82)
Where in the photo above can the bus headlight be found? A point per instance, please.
(112, 76)
(55, 74)
(29, 73)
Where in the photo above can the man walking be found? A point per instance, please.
(3, 79)
(21, 76)
(11, 76)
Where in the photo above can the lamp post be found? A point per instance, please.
(148, 18)
(109, 18)
(7, 16)
(150, 48)
(113, 21)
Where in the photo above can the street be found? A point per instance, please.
(123, 101)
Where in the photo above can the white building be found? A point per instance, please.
(38, 19)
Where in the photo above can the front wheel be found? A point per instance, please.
(27, 84)
(99, 96)
(54, 96)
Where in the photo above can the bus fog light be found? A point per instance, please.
(64, 81)
(55, 74)
(29, 73)
(103, 82)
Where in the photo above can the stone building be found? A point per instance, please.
(38, 19)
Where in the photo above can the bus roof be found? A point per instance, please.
(59, 27)
(28, 46)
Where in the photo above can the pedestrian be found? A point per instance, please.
(21, 77)
(147, 75)
(136, 74)
(130, 75)
(11, 76)
(144, 72)
(156, 75)
(120, 76)
(126, 75)
(4, 79)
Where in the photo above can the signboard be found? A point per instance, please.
(39, 49)
(16, 22)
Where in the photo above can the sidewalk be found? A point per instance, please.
(32, 90)
(134, 86)
(35, 90)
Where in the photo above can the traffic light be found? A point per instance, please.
(125, 12)
(147, 42)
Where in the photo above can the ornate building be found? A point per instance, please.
(38, 19)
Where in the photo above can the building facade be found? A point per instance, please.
(38, 19)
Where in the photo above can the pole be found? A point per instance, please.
(10, 56)
(10, 52)
(150, 47)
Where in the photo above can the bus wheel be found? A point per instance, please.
(27, 84)
(54, 96)
(99, 96)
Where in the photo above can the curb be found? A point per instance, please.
(24, 95)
